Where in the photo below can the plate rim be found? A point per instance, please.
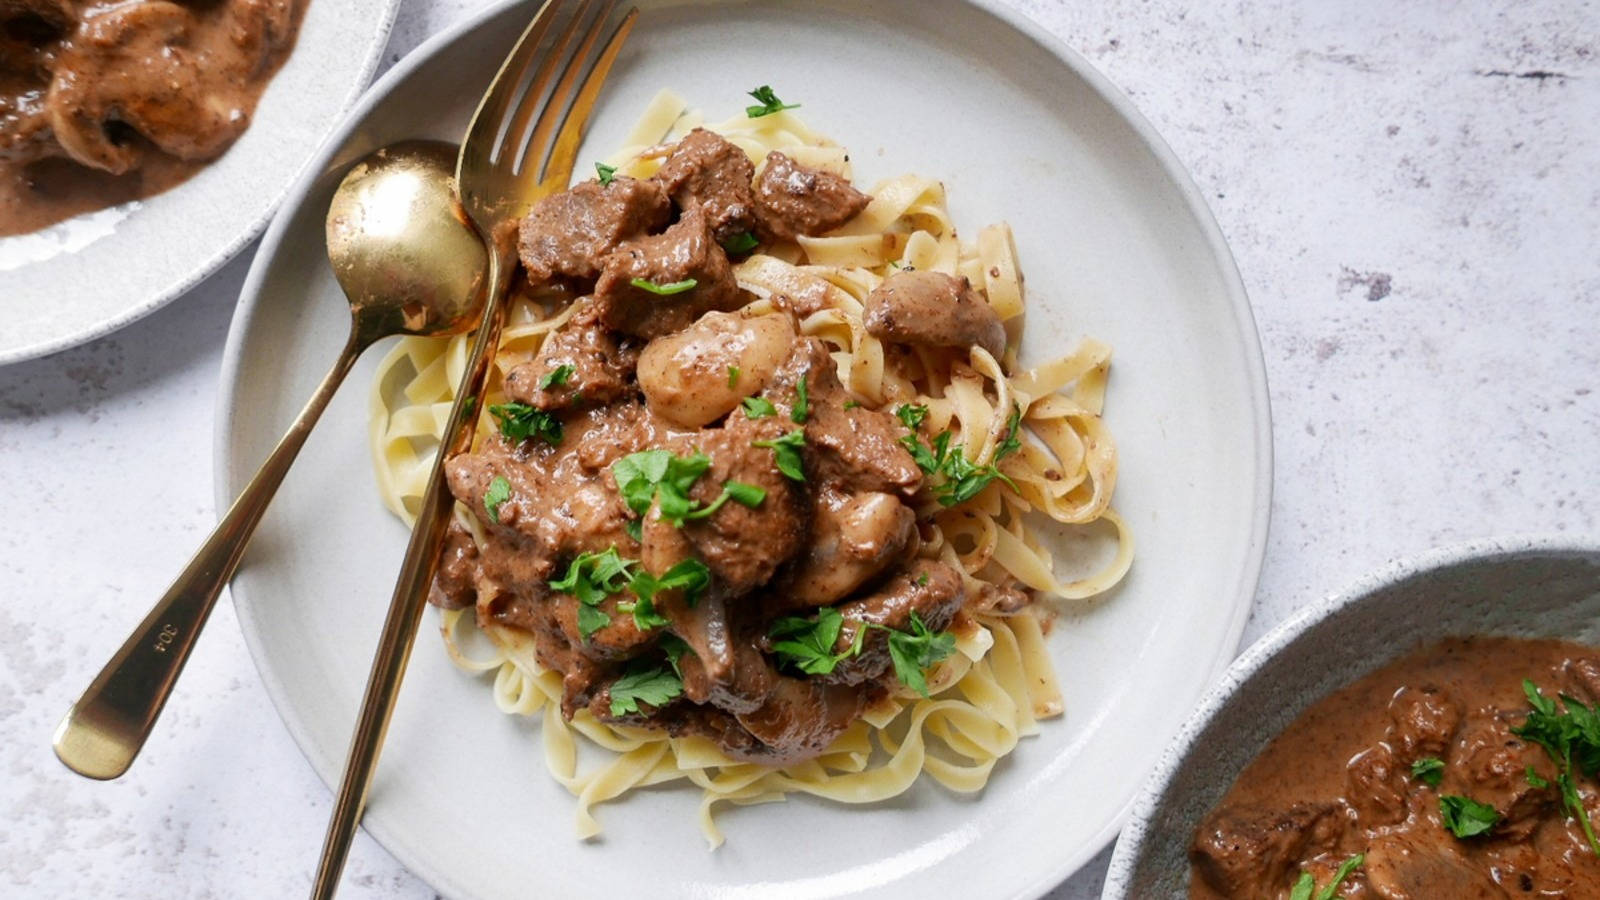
(1393, 571)
(1246, 579)
(212, 264)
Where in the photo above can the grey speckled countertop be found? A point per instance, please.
(1410, 190)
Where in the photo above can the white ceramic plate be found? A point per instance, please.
(1524, 587)
(91, 275)
(1115, 242)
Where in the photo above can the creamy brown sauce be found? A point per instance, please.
(107, 101)
(1338, 782)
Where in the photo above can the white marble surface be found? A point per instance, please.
(1410, 192)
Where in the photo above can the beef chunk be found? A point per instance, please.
(1400, 866)
(569, 234)
(1248, 852)
(602, 365)
(1423, 722)
(742, 546)
(930, 589)
(1375, 785)
(684, 252)
(853, 450)
(935, 310)
(455, 584)
(707, 172)
(794, 200)
(1490, 765)
(1583, 675)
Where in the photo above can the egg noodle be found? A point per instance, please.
(984, 697)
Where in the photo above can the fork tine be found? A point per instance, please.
(533, 102)
(550, 113)
(558, 165)
(479, 143)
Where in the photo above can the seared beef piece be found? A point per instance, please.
(705, 171)
(800, 718)
(934, 310)
(569, 234)
(1375, 786)
(581, 674)
(853, 538)
(794, 200)
(455, 586)
(1490, 764)
(930, 589)
(1583, 678)
(743, 546)
(1252, 852)
(602, 365)
(853, 450)
(683, 252)
(1402, 866)
(559, 512)
(1424, 720)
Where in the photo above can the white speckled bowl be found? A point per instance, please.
(1526, 587)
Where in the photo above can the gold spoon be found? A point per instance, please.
(409, 264)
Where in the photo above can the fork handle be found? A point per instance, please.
(104, 731)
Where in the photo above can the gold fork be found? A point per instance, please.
(501, 172)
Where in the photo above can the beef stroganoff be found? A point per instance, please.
(756, 499)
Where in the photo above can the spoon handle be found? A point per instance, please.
(106, 728)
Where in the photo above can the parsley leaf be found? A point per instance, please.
(499, 492)
(748, 494)
(1534, 779)
(733, 376)
(653, 685)
(555, 377)
(591, 578)
(809, 643)
(769, 103)
(607, 173)
(664, 290)
(965, 480)
(914, 651)
(1304, 887)
(911, 414)
(674, 647)
(786, 453)
(743, 242)
(690, 576)
(758, 408)
(1567, 737)
(1466, 817)
(1428, 770)
(519, 421)
(802, 403)
(852, 404)
(659, 475)
(928, 460)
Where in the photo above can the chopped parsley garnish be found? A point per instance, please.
(519, 421)
(758, 408)
(499, 492)
(808, 644)
(1303, 889)
(674, 647)
(743, 242)
(1535, 779)
(659, 475)
(851, 404)
(555, 377)
(748, 494)
(675, 287)
(1466, 817)
(607, 173)
(591, 578)
(690, 576)
(963, 479)
(769, 103)
(917, 650)
(911, 414)
(733, 376)
(1428, 770)
(1569, 737)
(802, 403)
(922, 580)
(786, 453)
(654, 685)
